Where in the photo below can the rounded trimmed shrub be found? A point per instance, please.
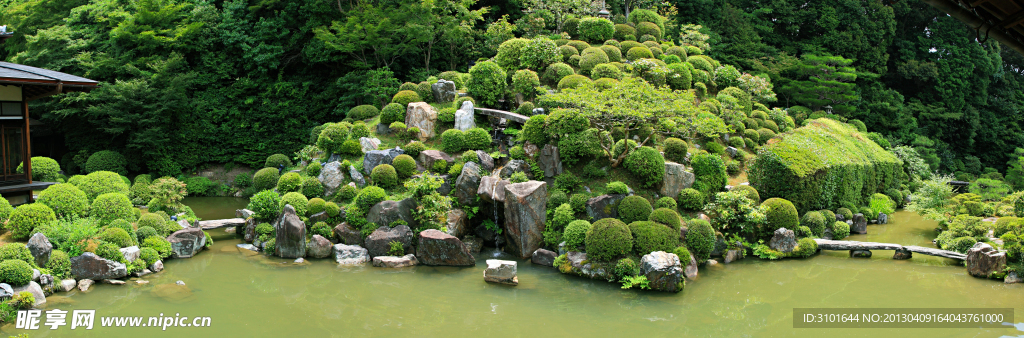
(362, 112)
(277, 160)
(265, 204)
(112, 206)
(667, 217)
(525, 82)
(567, 51)
(616, 187)
(322, 229)
(404, 165)
(607, 239)
(634, 208)
(153, 220)
(779, 213)
(332, 209)
(847, 213)
(650, 237)
(588, 60)
(26, 217)
(683, 254)
(117, 236)
(393, 112)
(146, 232)
(666, 202)
(350, 147)
(384, 175)
(16, 251)
(555, 72)
(751, 193)
(59, 264)
(637, 53)
(313, 169)
(646, 164)
(647, 28)
(66, 200)
(613, 52)
(675, 149)
(487, 82)
(765, 134)
(289, 182)
(1004, 225)
(840, 230)
(622, 31)
(477, 139)
(106, 160)
(573, 81)
(160, 244)
(405, 97)
(828, 215)
(625, 267)
(347, 192)
(149, 256)
(414, 148)
(297, 201)
(102, 182)
(595, 30)
(44, 169)
(606, 71)
(316, 205)
(700, 239)
(691, 199)
(370, 196)
(805, 247)
(5, 209)
(815, 221)
(15, 272)
(453, 141)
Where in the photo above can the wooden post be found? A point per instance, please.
(28, 145)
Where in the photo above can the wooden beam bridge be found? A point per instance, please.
(825, 244)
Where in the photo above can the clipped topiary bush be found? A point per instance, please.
(666, 202)
(112, 206)
(362, 112)
(591, 58)
(26, 217)
(384, 175)
(625, 267)
(779, 213)
(595, 30)
(646, 164)
(414, 148)
(847, 213)
(650, 237)
(161, 245)
(840, 230)
(59, 264)
(117, 236)
(477, 139)
(749, 191)
(667, 217)
(149, 256)
(710, 173)
(453, 141)
(146, 232)
(102, 182)
(607, 239)
(683, 254)
(297, 201)
(616, 187)
(805, 247)
(15, 272)
(691, 199)
(675, 150)
(405, 97)
(634, 208)
(289, 182)
(393, 112)
(573, 81)
(265, 179)
(700, 239)
(106, 160)
(622, 31)
(405, 165)
(824, 165)
(487, 82)
(370, 196)
(815, 221)
(66, 200)
(315, 206)
(555, 72)
(637, 53)
(44, 169)
(605, 70)
(533, 130)
(277, 160)
(313, 169)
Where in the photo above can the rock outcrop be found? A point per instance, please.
(549, 161)
(467, 184)
(985, 261)
(186, 243)
(783, 240)
(40, 248)
(604, 206)
(291, 235)
(444, 91)
(90, 266)
(501, 272)
(676, 179)
(379, 242)
(374, 158)
(525, 214)
(348, 235)
(423, 116)
(428, 157)
(350, 254)
(387, 212)
(464, 117)
(332, 175)
(394, 262)
(438, 248)
(663, 271)
(318, 247)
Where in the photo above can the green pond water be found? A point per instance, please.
(250, 295)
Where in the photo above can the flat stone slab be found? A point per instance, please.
(503, 114)
(825, 244)
(220, 223)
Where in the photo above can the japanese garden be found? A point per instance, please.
(509, 168)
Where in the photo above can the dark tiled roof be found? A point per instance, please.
(14, 72)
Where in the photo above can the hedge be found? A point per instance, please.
(824, 165)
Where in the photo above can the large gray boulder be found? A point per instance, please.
(428, 157)
(332, 175)
(663, 271)
(549, 161)
(444, 91)
(860, 224)
(186, 243)
(379, 242)
(486, 161)
(356, 176)
(131, 253)
(691, 270)
(387, 212)
(423, 116)
(675, 180)
(543, 257)
(514, 166)
(985, 261)
(291, 235)
(438, 248)
(40, 248)
(348, 235)
(458, 223)
(394, 261)
(350, 254)
(90, 266)
(492, 189)
(374, 158)
(464, 117)
(783, 240)
(604, 206)
(502, 272)
(467, 184)
(525, 215)
(318, 247)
